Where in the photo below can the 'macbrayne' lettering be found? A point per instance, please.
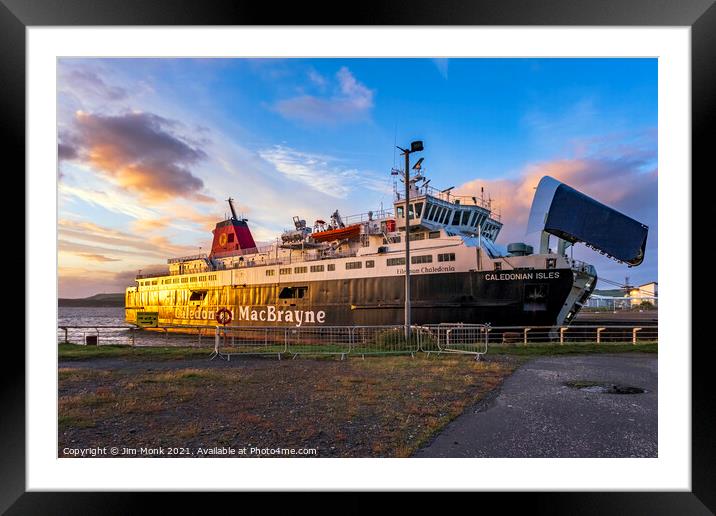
(267, 314)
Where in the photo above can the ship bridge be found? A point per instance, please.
(434, 209)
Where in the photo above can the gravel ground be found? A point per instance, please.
(535, 414)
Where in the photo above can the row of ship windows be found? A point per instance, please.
(210, 277)
(369, 264)
(413, 236)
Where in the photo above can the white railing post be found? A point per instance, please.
(599, 334)
(525, 338)
(561, 335)
(633, 335)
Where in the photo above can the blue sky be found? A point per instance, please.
(150, 148)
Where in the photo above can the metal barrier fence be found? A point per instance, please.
(473, 339)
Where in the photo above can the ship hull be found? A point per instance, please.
(509, 298)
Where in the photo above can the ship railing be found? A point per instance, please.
(448, 197)
(368, 216)
(202, 256)
(346, 341)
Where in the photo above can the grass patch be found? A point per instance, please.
(77, 352)
(384, 406)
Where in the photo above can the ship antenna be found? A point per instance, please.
(233, 211)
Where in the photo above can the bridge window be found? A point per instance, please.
(331, 266)
(465, 217)
(418, 209)
(446, 257)
(354, 265)
(369, 264)
(270, 272)
(456, 218)
(417, 236)
(316, 268)
(400, 212)
(287, 270)
(434, 234)
(300, 270)
(446, 216)
(395, 261)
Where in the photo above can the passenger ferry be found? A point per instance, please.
(351, 270)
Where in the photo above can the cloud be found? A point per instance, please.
(320, 172)
(624, 178)
(88, 237)
(98, 257)
(351, 102)
(317, 79)
(441, 64)
(140, 152)
(87, 82)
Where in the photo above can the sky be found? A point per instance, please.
(150, 149)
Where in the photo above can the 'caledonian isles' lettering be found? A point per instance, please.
(268, 314)
(521, 275)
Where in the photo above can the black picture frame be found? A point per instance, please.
(17, 15)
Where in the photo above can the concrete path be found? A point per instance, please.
(536, 415)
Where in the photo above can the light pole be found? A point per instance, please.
(415, 146)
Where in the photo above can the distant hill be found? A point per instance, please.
(114, 299)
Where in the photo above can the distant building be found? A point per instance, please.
(648, 292)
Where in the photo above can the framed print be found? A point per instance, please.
(213, 297)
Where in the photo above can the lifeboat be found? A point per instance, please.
(351, 231)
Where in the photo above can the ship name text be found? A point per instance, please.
(268, 314)
(507, 276)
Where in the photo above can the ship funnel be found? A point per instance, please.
(560, 210)
(232, 236)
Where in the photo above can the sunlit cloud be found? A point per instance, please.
(83, 236)
(351, 102)
(98, 257)
(625, 179)
(141, 152)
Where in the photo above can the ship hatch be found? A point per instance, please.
(197, 295)
(293, 292)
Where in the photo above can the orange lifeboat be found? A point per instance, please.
(351, 231)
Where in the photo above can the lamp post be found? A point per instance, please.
(415, 146)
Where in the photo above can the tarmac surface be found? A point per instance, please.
(535, 414)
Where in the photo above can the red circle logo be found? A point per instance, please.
(223, 316)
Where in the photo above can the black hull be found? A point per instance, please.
(509, 298)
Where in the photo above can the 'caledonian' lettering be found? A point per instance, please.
(521, 275)
(268, 314)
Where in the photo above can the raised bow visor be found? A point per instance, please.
(560, 210)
